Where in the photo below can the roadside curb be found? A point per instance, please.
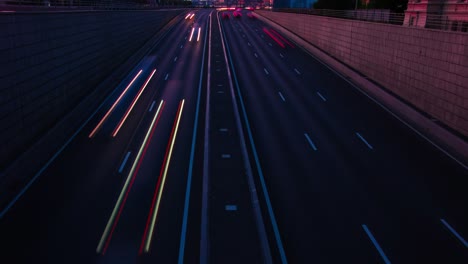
(441, 138)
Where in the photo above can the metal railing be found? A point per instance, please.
(57, 5)
(422, 20)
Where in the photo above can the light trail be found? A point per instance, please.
(191, 34)
(130, 108)
(113, 106)
(117, 211)
(151, 221)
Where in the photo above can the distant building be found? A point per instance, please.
(293, 3)
(438, 14)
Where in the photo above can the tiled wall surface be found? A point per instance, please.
(427, 68)
(50, 61)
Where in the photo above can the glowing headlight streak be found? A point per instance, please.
(187, 16)
(116, 212)
(192, 15)
(113, 106)
(191, 34)
(150, 223)
(198, 38)
(130, 108)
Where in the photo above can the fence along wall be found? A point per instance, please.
(427, 68)
(50, 61)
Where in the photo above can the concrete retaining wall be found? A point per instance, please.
(50, 61)
(427, 68)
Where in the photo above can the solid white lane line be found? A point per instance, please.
(297, 71)
(151, 107)
(281, 55)
(266, 71)
(175, 59)
(194, 140)
(282, 97)
(376, 245)
(167, 76)
(364, 140)
(260, 224)
(255, 54)
(455, 233)
(124, 162)
(310, 141)
(321, 96)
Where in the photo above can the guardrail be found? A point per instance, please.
(431, 21)
(64, 5)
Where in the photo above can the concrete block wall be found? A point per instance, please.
(427, 68)
(50, 61)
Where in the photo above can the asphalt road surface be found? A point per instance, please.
(230, 144)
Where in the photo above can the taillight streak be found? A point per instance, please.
(282, 38)
(198, 38)
(273, 37)
(113, 106)
(150, 223)
(117, 211)
(130, 108)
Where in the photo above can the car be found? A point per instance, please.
(189, 16)
(251, 15)
(225, 15)
(237, 14)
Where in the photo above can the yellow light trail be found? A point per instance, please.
(117, 209)
(163, 180)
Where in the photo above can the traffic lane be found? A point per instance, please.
(128, 235)
(229, 210)
(157, 60)
(421, 166)
(430, 239)
(296, 196)
(85, 197)
(165, 247)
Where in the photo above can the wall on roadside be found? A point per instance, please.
(427, 68)
(50, 61)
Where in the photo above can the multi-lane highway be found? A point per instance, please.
(228, 143)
